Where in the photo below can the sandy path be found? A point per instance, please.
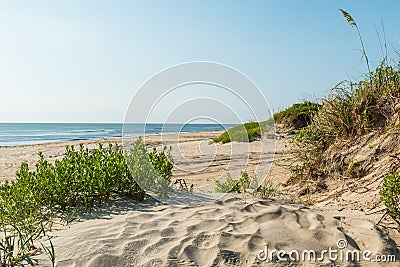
(195, 160)
(227, 232)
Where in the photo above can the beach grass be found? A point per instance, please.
(351, 111)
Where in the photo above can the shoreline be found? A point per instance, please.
(106, 139)
(12, 156)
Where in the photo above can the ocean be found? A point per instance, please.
(16, 134)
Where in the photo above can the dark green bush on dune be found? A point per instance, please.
(247, 132)
(299, 115)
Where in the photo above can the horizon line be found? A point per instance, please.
(44, 122)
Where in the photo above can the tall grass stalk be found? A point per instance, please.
(352, 23)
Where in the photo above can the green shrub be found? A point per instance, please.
(298, 115)
(268, 190)
(390, 194)
(79, 180)
(152, 170)
(247, 132)
(162, 162)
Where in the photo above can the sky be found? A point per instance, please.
(83, 61)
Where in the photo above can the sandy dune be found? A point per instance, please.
(227, 232)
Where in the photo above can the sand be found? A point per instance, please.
(229, 231)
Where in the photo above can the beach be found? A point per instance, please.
(230, 231)
(195, 159)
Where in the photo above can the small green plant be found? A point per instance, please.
(390, 194)
(228, 186)
(254, 183)
(240, 185)
(16, 245)
(244, 183)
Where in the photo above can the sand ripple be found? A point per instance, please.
(227, 232)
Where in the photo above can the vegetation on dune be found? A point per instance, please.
(229, 186)
(239, 185)
(351, 111)
(152, 171)
(298, 116)
(247, 132)
(390, 194)
(75, 183)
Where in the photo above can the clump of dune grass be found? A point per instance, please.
(298, 115)
(352, 110)
(247, 132)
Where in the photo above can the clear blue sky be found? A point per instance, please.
(82, 61)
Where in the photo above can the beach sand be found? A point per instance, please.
(227, 232)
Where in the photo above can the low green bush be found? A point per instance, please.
(247, 132)
(76, 182)
(390, 194)
(299, 115)
(152, 170)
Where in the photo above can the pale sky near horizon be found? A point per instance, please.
(82, 61)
